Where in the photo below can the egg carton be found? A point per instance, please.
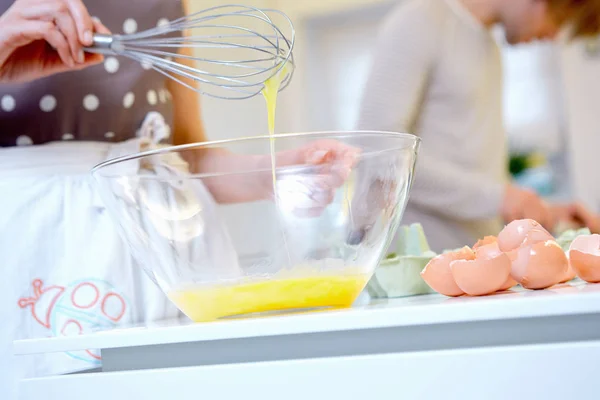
(399, 275)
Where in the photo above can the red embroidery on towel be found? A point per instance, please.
(89, 303)
(45, 298)
(78, 308)
(107, 311)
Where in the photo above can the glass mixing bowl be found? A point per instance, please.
(204, 223)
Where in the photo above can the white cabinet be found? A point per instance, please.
(564, 371)
(521, 344)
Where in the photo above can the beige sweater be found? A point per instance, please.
(437, 73)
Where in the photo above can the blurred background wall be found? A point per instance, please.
(551, 93)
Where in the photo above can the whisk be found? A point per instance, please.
(239, 48)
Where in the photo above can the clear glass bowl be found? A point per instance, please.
(313, 245)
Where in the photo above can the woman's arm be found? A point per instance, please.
(188, 128)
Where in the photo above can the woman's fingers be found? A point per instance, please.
(70, 18)
(99, 26)
(91, 59)
(83, 21)
(66, 25)
(588, 218)
(58, 41)
(45, 11)
(32, 30)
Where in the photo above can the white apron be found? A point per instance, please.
(65, 269)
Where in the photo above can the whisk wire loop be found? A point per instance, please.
(239, 47)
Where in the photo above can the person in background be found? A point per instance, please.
(65, 270)
(437, 73)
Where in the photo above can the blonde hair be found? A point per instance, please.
(583, 16)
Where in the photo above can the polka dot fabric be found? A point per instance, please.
(107, 102)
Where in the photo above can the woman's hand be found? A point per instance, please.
(576, 215)
(43, 37)
(324, 166)
(523, 203)
(589, 219)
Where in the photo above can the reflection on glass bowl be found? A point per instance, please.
(308, 246)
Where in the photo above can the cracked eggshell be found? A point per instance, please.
(584, 257)
(437, 273)
(539, 266)
(570, 275)
(522, 232)
(510, 282)
(484, 275)
(485, 241)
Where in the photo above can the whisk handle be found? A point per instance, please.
(104, 44)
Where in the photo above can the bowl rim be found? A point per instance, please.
(188, 146)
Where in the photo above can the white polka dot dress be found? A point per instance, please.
(111, 64)
(106, 102)
(163, 96)
(163, 23)
(24, 140)
(8, 103)
(147, 65)
(128, 100)
(130, 26)
(48, 103)
(152, 97)
(91, 102)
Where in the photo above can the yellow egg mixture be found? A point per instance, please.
(209, 303)
(306, 289)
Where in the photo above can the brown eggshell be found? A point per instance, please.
(570, 275)
(540, 265)
(584, 255)
(509, 284)
(535, 236)
(488, 251)
(520, 232)
(485, 241)
(491, 252)
(484, 275)
(437, 272)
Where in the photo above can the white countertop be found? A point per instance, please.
(569, 299)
